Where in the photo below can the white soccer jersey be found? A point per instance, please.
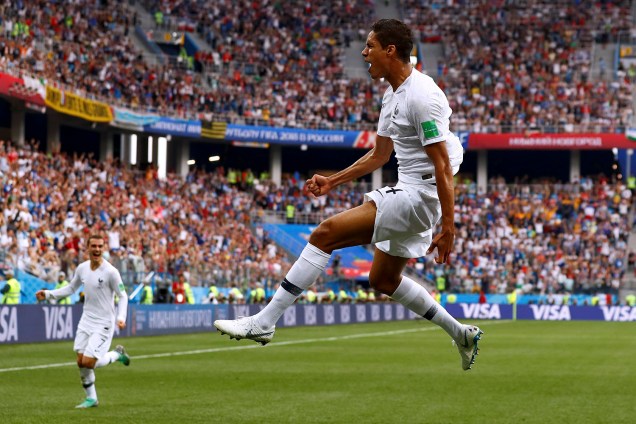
(100, 287)
(416, 115)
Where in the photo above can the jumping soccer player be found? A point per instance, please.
(399, 220)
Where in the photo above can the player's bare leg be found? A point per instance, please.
(386, 277)
(349, 228)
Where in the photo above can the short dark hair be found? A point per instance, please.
(392, 31)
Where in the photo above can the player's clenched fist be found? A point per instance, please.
(318, 185)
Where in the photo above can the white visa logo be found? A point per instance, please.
(8, 324)
(481, 311)
(619, 313)
(58, 322)
(551, 312)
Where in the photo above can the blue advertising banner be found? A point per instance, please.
(124, 118)
(463, 137)
(576, 313)
(330, 314)
(38, 323)
(293, 136)
(152, 320)
(41, 323)
(543, 312)
(479, 310)
(175, 127)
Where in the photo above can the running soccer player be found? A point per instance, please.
(399, 220)
(95, 330)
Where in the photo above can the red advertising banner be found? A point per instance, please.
(16, 87)
(563, 141)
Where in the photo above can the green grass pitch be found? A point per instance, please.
(395, 372)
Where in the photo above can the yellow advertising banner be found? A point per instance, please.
(72, 104)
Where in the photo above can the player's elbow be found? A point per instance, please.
(381, 159)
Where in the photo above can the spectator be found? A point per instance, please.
(62, 282)
(11, 291)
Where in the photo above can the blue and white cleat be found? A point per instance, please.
(124, 358)
(467, 345)
(245, 328)
(88, 403)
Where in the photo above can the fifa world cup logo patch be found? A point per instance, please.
(430, 130)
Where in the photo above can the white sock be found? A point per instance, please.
(420, 301)
(107, 359)
(87, 375)
(311, 263)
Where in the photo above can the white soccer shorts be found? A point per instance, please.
(94, 339)
(405, 218)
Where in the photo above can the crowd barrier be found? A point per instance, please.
(42, 323)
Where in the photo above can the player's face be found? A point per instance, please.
(374, 55)
(96, 248)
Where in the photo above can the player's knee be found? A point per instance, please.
(378, 285)
(321, 235)
(86, 362)
(383, 284)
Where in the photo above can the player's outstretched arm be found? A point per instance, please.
(65, 291)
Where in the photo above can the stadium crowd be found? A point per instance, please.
(289, 69)
(518, 66)
(542, 238)
(509, 66)
(51, 203)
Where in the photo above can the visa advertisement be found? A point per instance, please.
(42, 323)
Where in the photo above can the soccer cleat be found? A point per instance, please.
(88, 403)
(123, 356)
(244, 328)
(467, 345)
